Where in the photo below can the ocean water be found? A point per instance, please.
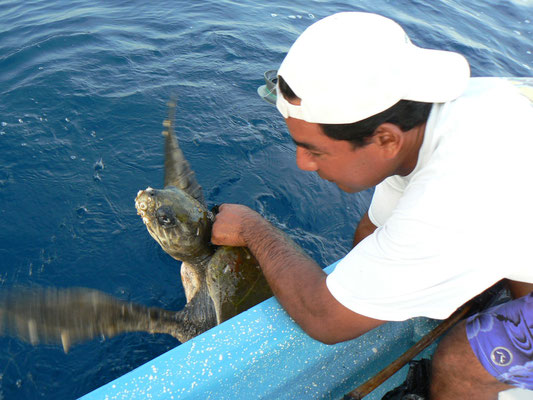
(83, 88)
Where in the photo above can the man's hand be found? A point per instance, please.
(229, 224)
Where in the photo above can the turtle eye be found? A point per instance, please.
(165, 217)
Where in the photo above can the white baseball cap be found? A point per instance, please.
(352, 65)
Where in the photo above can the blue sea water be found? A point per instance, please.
(83, 87)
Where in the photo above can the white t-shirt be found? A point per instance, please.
(459, 222)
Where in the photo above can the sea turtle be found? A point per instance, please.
(219, 282)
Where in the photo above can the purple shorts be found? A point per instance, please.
(502, 340)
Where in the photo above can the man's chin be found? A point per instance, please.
(348, 189)
(344, 188)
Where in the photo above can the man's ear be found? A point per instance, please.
(389, 138)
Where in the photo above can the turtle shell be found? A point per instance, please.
(235, 282)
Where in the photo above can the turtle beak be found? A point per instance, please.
(145, 203)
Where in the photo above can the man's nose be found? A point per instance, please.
(304, 160)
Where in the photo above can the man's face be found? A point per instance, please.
(351, 169)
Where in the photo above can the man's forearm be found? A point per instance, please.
(296, 280)
(364, 229)
(294, 277)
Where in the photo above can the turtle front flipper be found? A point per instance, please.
(235, 282)
(178, 172)
(70, 316)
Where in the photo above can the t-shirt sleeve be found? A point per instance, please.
(403, 269)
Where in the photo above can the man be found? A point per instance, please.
(450, 159)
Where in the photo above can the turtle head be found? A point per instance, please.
(177, 221)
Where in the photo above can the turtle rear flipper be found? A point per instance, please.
(70, 316)
(178, 172)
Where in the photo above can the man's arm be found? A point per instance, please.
(364, 229)
(297, 281)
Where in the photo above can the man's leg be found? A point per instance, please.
(490, 352)
(457, 373)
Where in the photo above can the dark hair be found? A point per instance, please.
(406, 114)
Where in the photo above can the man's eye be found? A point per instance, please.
(314, 153)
